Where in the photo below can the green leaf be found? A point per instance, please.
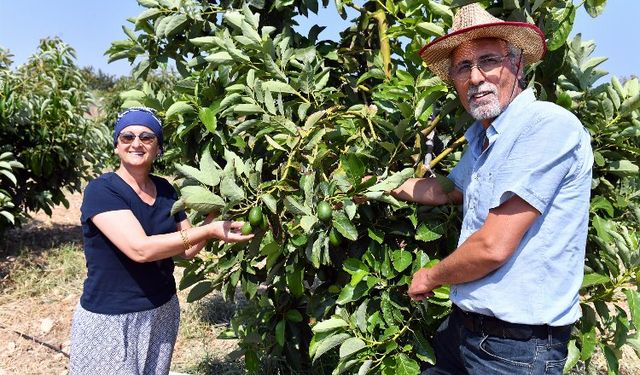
(234, 18)
(594, 279)
(599, 159)
(561, 25)
(406, 365)
(219, 58)
(148, 3)
(599, 202)
(428, 29)
(424, 351)
(353, 167)
(277, 86)
(292, 205)
(393, 181)
(178, 108)
(602, 227)
(423, 233)
(204, 41)
(634, 342)
(351, 346)
(612, 359)
(148, 13)
(353, 266)
(201, 199)
(250, 32)
(366, 365)
(230, 190)
(329, 325)
(329, 343)
(312, 119)
(273, 143)
(314, 249)
(247, 109)
(280, 332)
(199, 290)
(594, 7)
(270, 202)
(623, 168)
(208, 118)
(9, 216)
(631, 131)
(132, 95)
(211, 179)
(350, 208)
(633, 300)
(440, 10)
(343, 225)
(307, 222)
(174, 24)
(376, 235)
(351, 293)
(294, 282)
(401, 260)
(629, 105)
(573, 356)
(588, 340)
(294, 315)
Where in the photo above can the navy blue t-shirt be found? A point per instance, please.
(116, 284)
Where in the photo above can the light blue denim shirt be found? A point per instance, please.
(542, 153)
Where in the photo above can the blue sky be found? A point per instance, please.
(89, 26)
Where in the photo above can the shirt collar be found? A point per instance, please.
(499, 123)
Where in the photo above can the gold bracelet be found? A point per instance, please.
(185, 240)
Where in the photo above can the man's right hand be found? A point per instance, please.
(421, 285)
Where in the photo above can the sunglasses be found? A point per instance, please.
(144, 137)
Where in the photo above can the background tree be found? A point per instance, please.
(44, 124)
(279, 128)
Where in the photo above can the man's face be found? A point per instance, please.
(485, 77)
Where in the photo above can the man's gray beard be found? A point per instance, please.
(484, 111)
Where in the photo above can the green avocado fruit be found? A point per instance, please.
(246, 228)
(335, 238)
(324, 211)
(255, 217)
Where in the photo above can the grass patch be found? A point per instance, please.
(198, 349)
(56, 271)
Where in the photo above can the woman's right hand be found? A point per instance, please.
(229, 231)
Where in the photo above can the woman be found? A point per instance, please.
(128, 315)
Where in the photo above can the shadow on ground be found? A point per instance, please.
(35, 238)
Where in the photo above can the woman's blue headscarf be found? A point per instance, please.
(138, 116)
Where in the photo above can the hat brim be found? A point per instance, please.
(524, 36)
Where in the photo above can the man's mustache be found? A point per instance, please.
(483, 87)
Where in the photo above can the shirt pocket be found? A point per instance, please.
(481, 188)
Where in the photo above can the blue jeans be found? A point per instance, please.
(461, 351)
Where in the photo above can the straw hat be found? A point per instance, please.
(473, 22)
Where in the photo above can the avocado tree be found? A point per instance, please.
(284, 130)
(44, 125)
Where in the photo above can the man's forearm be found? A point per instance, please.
(426, 191)
(472, 260)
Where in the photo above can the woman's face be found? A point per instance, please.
(137, 146)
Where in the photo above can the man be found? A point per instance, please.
(524, 182)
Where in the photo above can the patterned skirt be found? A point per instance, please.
(139, 343)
